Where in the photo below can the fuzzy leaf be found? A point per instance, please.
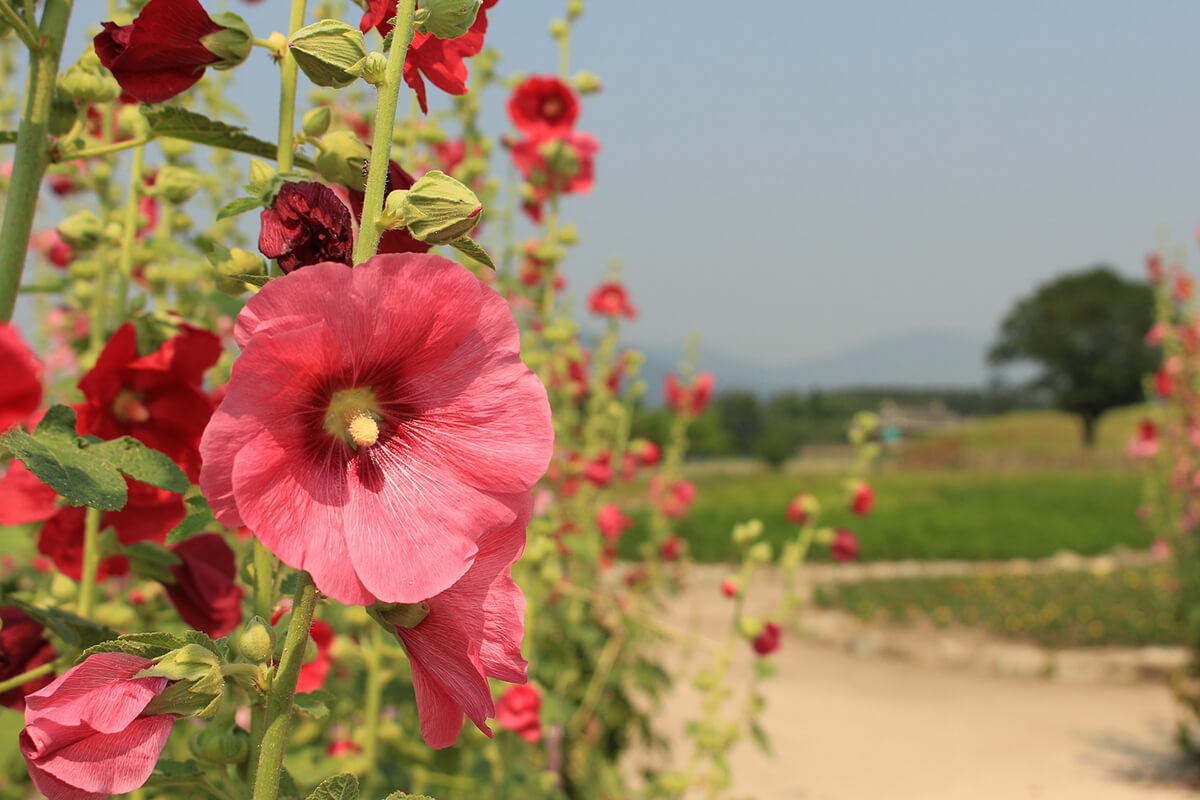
(61, 459)
(179, 123)
(74, 631)
(339, 787)
(238, 206)
(407, 796)
(253, 280)
(199, 518)
(144, 645)
(314, 704)
(143, 464)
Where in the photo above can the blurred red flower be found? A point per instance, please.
(612, 521)
(767, 642)
(21, 389)
(205, 590)
(543, 106)
(23, 646)
(844, 546)
(688, 400)
(863, 500)
(611, 299)
(519, 710)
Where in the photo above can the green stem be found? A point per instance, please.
(264, 580)
(26, 677)
(289, 72)
(381, 143)
(104, 149)
(283, 691)
(32, 153)
(374, 700)
(129, 233)
(17, 23)
(91, 562)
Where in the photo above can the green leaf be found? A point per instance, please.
(253, 280)
(239, 206)
(314, 704)
(143, 464)
(179, 123)
(760, 738)
(150, 560)
(407, 796)
(144, 645)
(8, 137)
(75, 631)
(339, 787)
(197, 520)
(175, 773)
(468, 247)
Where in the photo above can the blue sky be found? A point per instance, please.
(791, 179)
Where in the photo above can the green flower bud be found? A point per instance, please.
(197, 682)
(398, 615)
(62, 115)
(63, 588)
(88, 85)
(256, 640)
(232, 45)
(747, 531)
(176, 185)
(449, 19)
(760, 553)
(559, 29)
(83, 268)
(261, 175)
(316, 121)
(574, 9)
(131, 122)
(568, 234)
(372, 68)
(220, 745)
(586, 82)
(326, 50)
(174, 148)
(82, 230)
(437, 209)
(341, 158)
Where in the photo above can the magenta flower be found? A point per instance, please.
(85, 734)
(378, 423)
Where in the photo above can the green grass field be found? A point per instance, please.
(1123, 607)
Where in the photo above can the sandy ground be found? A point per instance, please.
(847, 727)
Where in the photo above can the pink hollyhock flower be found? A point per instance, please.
(342, 747)
(440, 60)
(1161, 550)
(205, 590)
(1155, 335)
(459, 638)
(1164, 384)
(800, 510)
(612, 521)
(519, 711)
(863, 500)
(610, 299)
(543, 106)
(21, 389)
(148, 516)
(844, 546)
(599, 471)
(23, 646)
(156, 398)
(1154, 267)
(87, 735)
(378, 423)
(52, 248)
(767, 642)
(688, 400)
(729, 587)
(648, 453)
(672, 548)
(161, 53)
(673, 499)
(1144, 443)
(1183, 287)
(306, 224)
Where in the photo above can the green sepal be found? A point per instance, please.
(239, 205)
(468, 247)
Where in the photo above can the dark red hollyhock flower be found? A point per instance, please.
(864, 499)
(543, 106)
(558, 165)
(1164, 384)
(148, 516)
(205, 591)
(767, 642)
(23, 646)
(155, 398)
(307, 224)
(21, 387)
(450, 154)
(610, 299)
(440, 60)
(519, 710)
(160, 53)
(398, 241)
(844, 546)
(671, 548)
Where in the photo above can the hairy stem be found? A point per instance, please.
(129, 233)
(289, 72)
(91, 562)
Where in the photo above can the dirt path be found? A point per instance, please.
(846, 727)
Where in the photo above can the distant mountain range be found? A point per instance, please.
(923, 358)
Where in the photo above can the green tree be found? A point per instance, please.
(1086, 331)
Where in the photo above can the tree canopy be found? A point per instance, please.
(1086, 329)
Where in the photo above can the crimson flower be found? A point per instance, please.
(671, 548)
(1144, 444)
(612, 522)
(675, 498)
(51, 246)
(844, 546)
(519, 710)
(155, 398)
(1164, 384)
(378, 423)
(21, 389)
(648, 452)
(471, 632)
(729, 587)
(440, 60)
(557, 165)
(205, 590)
(23, 646)
(543, 106)
(863, 500)
(307, 224)
(688, 400)
(161, 53)
(24, 498)
(800, 510)
(86, 735)
(767, 642)
(610, 299)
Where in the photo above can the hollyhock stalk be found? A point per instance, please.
(130, 232)
(91, 563)
(282, 694)
(381, 142)
(32, 155)
(26, 677)
(373, 705)
(289, 72)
